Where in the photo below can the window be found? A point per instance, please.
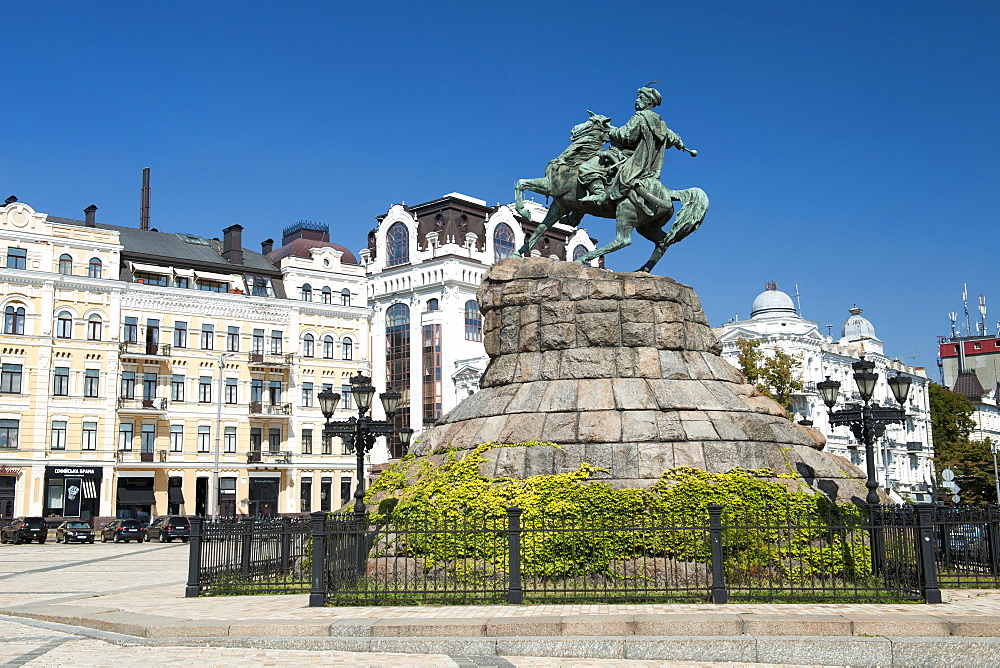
(328, 347)
(306, 293)
(90, 436)
(305, 494)
(205, 389)
(431, 376)
(204, 438)
(308, 346)
(275, 392)
(276, 338)
(91, 383)
(347, 349)
(13, 321)
(149, 386)
(95, 268)
(17, 258)
(176, 388)
(397, 358)
(256, 439)
(346, 397)
(307, 395)
(60, 381)
(58, 441)
(128, 385)
(147, 438)
(229, 440)
(307, 443)
(8, 433)
(327, 295)
(176, 438)
(131, 330)
(274, 440)
(152, 335)
(212, 286)
(256, 391)
(397, 241)
(233, 339)
(345, 297)
(94, 326)
(325, 494)
(64, 325)
(579, 252)
(473, 321)
(125, 436)
(503, 242)
(260, 286)
(231, 391)
(182, 282)
(151, 279)
(433, 304)
(10, 379)
(66, 264)
(208, 337)
(180, 334)
(345, 489)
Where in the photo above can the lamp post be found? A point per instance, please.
(359, 433)
(218, 428)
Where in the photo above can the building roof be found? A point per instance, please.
(772, 303)
(301, 247)
(857, 327)
(967, 384)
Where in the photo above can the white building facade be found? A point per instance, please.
(905, 454)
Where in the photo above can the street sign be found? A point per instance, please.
(948, 475)
(952, 485)
(956, 498)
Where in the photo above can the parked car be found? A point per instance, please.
(74, 531)
(168, 527)
(25, 529)
(123, 530)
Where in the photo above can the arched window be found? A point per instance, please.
(94, 268)
(397, 241)
(94, 325)
(308, 346)
(433, 304)
(579, 252)
(347, 349)
(64, 325)
(503, 242)
(307, 293)
(66, 264)
(345, 297)
(327, 295)
(13, 321)
(397, 358)
(328, 347)
(473, 321)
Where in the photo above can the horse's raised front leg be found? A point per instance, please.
(623, 233)
(554, 214)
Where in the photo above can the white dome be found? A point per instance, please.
(771, 303)
(857, 327)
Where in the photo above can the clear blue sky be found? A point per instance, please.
(850, 147)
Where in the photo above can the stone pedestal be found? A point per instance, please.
(622, 371)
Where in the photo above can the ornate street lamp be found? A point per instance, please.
(359, 433)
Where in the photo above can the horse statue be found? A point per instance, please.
(646, 208)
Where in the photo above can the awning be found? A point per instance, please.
(184, 272)
(135, 496)
(209, 276)
(149, 268)
(175, 495)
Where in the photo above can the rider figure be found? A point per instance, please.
(636, 151)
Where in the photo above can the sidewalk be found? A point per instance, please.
(965, 630)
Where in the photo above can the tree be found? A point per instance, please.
(774, 375)
(972, 461)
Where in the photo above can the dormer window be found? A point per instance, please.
(503, 242)
(398, 245)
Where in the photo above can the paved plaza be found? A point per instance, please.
(118, 604)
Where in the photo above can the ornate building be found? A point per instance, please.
(424, 265)
(905, 462)
(132, 358)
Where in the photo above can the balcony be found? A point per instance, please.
(148, 351)
(259, 409)
(143, 457)
(272, 360)
(143, 406)
(269, 456)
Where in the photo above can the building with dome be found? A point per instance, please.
(905, 453)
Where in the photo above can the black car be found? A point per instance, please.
(74, 531)
(123, 530)
(168, 527)
(25, 529)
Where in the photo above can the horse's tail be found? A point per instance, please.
(695, 206)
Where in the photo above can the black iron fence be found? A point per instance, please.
(250, 556)
(850, 554)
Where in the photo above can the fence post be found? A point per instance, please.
(317, 592)
(286, 543)
(515, 594)
(925, 541)
(719, 592)
(194, 559)
(993, 537)
(246, 534)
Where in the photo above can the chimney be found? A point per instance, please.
(232, 244)
(144, 201)
(266, 246)
(91, 213)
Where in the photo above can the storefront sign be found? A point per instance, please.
(14, 472)
(74, 472)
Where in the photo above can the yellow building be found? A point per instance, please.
(133, 360)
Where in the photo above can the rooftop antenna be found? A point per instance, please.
(982, 312)
(829, 331)
(144, 201)
(954, 331)
(965, 303)
(798, 298)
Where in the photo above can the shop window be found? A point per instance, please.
(305, 495)
(326, 494)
